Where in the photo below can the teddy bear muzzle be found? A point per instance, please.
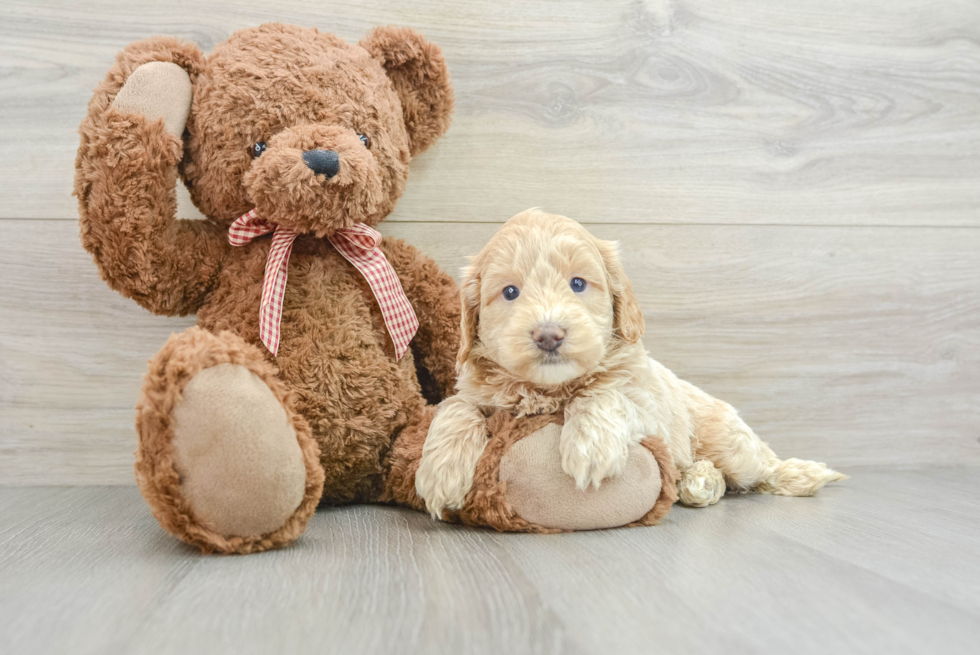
(316, 178)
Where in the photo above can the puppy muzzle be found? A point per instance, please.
(548, 337)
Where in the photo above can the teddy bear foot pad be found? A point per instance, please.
(240, 465)
(223, 460)
(542, 493)
(520, 486)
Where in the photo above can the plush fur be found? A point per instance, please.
(487, 503)
(358, 413)
(600, 377)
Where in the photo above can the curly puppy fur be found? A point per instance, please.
(294, 89)
(611, 393)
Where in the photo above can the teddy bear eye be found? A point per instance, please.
(511, 292)
(256, 149)
(366, 140)
(578, 284)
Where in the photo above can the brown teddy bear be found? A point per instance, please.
(293, 388)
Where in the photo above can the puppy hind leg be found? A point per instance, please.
(700, 485)
(798, 477)
(749, 464)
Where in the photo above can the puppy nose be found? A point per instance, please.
(548, 337)
(322, 162)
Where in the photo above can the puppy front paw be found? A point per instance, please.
(444, 485)
(456, 440)
(592, 453)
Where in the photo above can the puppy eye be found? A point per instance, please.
(511, 292)
(578, 284)
(366, 140)
(256, 149)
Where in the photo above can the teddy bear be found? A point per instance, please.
(320, 346)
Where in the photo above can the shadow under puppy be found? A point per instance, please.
(550, 324)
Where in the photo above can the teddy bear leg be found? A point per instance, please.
(539, 492)
(403, 459)
(223, 460)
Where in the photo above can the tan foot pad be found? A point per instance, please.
(520, 486)
(157, 90)
(541, 492)
(240, 465)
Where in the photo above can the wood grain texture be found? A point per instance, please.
(864, 567)
(656, 111)
(848, 345)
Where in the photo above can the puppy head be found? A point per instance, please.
(546, 300)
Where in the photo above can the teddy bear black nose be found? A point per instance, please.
(322, 162)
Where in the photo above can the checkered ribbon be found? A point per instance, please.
(359, 245)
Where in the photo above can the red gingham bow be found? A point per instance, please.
(359, 245)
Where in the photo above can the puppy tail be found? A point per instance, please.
(798, 477)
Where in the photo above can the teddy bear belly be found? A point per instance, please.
(332, 354)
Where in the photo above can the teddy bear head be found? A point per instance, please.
(314, 133)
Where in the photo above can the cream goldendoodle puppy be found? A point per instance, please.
(550, 323)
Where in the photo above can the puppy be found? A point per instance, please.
(550, 323)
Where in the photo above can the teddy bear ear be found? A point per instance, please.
(419, 74)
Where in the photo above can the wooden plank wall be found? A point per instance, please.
(796, 186)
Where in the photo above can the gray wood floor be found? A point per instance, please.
(888, 561)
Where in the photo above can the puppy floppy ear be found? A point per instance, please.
(420, 77)
(627, 316)
(469, 294)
